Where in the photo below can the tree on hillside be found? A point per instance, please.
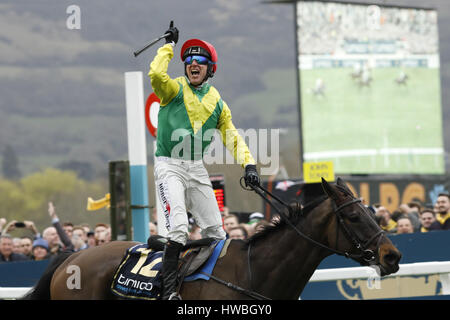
(84, 170)
(10, 164)
(27, 198)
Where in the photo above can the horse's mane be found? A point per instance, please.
(281, 223)
(294, 218)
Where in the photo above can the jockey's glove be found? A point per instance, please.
(251, 175)
(173, 37)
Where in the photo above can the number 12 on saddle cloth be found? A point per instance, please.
(138, 276)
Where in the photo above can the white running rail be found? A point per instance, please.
(411, 269)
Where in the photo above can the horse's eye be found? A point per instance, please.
(353, 217)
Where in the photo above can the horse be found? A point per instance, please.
(275, 263)
(401, 79)
(319, 88)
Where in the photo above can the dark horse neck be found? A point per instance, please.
(282, 262)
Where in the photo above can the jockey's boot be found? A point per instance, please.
(169, 270)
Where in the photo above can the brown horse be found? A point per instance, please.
(275, 263)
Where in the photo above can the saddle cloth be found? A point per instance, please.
(138, 275)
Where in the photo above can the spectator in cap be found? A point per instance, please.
(255, 217)
(253, 220)
(40, 250)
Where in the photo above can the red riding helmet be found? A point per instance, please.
(191, 46)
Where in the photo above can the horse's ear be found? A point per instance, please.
(341, 182)
(328, 189)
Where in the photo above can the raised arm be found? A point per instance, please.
(164, 87)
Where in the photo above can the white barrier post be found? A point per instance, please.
(137, 153)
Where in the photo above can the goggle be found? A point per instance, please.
(199, 59)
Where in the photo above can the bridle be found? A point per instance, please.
(367, 255)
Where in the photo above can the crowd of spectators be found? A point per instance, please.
(407, 218)
(65, 236)
(235, 226)
(413, 217)
(54, 239)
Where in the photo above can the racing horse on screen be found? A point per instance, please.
(275, 263)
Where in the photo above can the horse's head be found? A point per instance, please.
(355, 232)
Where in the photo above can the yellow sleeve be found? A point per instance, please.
(232, 139)
(164, 87)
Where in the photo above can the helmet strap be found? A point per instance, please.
(209, 71)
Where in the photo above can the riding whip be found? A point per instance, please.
(136, 53)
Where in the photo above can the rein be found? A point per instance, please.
(249, 293)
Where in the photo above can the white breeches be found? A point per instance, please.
(184, 186)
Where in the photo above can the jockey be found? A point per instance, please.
(190, 106)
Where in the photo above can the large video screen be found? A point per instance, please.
(370, 88)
